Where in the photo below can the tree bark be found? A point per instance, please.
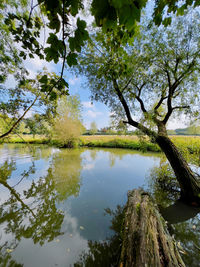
(189, 184)
(146, 240)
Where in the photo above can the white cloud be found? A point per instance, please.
(73, 81)
(88, 104)
(93, 114)
(88, 166)
(35, 65)
(36, 62)
(172, 125)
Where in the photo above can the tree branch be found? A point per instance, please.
(141, 104)
(127, 83)
(31, 11)
(138, 97)
(172, 90)
(180, 107)
(13, 192)
(160, 102)
(18, 121)
(130, 121)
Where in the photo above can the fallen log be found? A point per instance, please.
(146, 240)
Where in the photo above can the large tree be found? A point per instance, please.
(148, 79)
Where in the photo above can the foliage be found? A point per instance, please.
(93, 128)
(33, 213)
(110, 13)
(67, 124)
(106, 253)
(10, 60)
(21, 129)
(121, 127)
(24, 96)
(25, 24)
(164, 9)
(155, 70)
(26, 21)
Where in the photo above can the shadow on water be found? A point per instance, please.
(179, 212)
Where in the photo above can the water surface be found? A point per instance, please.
(54, 201)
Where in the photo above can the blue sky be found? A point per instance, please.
(95, 111)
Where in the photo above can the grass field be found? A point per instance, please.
(120, 141)
(185, 143)
(190, 143)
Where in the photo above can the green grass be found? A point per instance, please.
(23, 138)
(189, 144)
(129, 142)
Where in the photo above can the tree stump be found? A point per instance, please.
(146, 240)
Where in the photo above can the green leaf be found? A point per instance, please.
(180, 11)
(43, 79)
(53, 96)
(51, 54)
(71, 59)
(31, 55)
(72, 43)
(81, 24)
(167, 21)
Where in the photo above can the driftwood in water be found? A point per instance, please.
(146, 240)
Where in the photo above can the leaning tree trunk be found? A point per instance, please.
(190, 186)
(146, 240)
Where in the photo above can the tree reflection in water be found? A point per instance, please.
(183, 220)
(105, 253)
(33, 213)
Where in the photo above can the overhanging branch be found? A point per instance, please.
(18, 121)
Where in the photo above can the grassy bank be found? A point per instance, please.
(24, 138)
(189, 144)
(130, 142)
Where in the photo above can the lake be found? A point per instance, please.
(56, 204)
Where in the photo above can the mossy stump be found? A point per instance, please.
(146, 240)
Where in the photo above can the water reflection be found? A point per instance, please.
(53, 201)
(29, 214)
(105, 253)
(33, 213)
(65, 172)
(183, 220)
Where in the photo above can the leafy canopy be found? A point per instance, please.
(149, 79)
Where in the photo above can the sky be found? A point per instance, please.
(95, 111)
